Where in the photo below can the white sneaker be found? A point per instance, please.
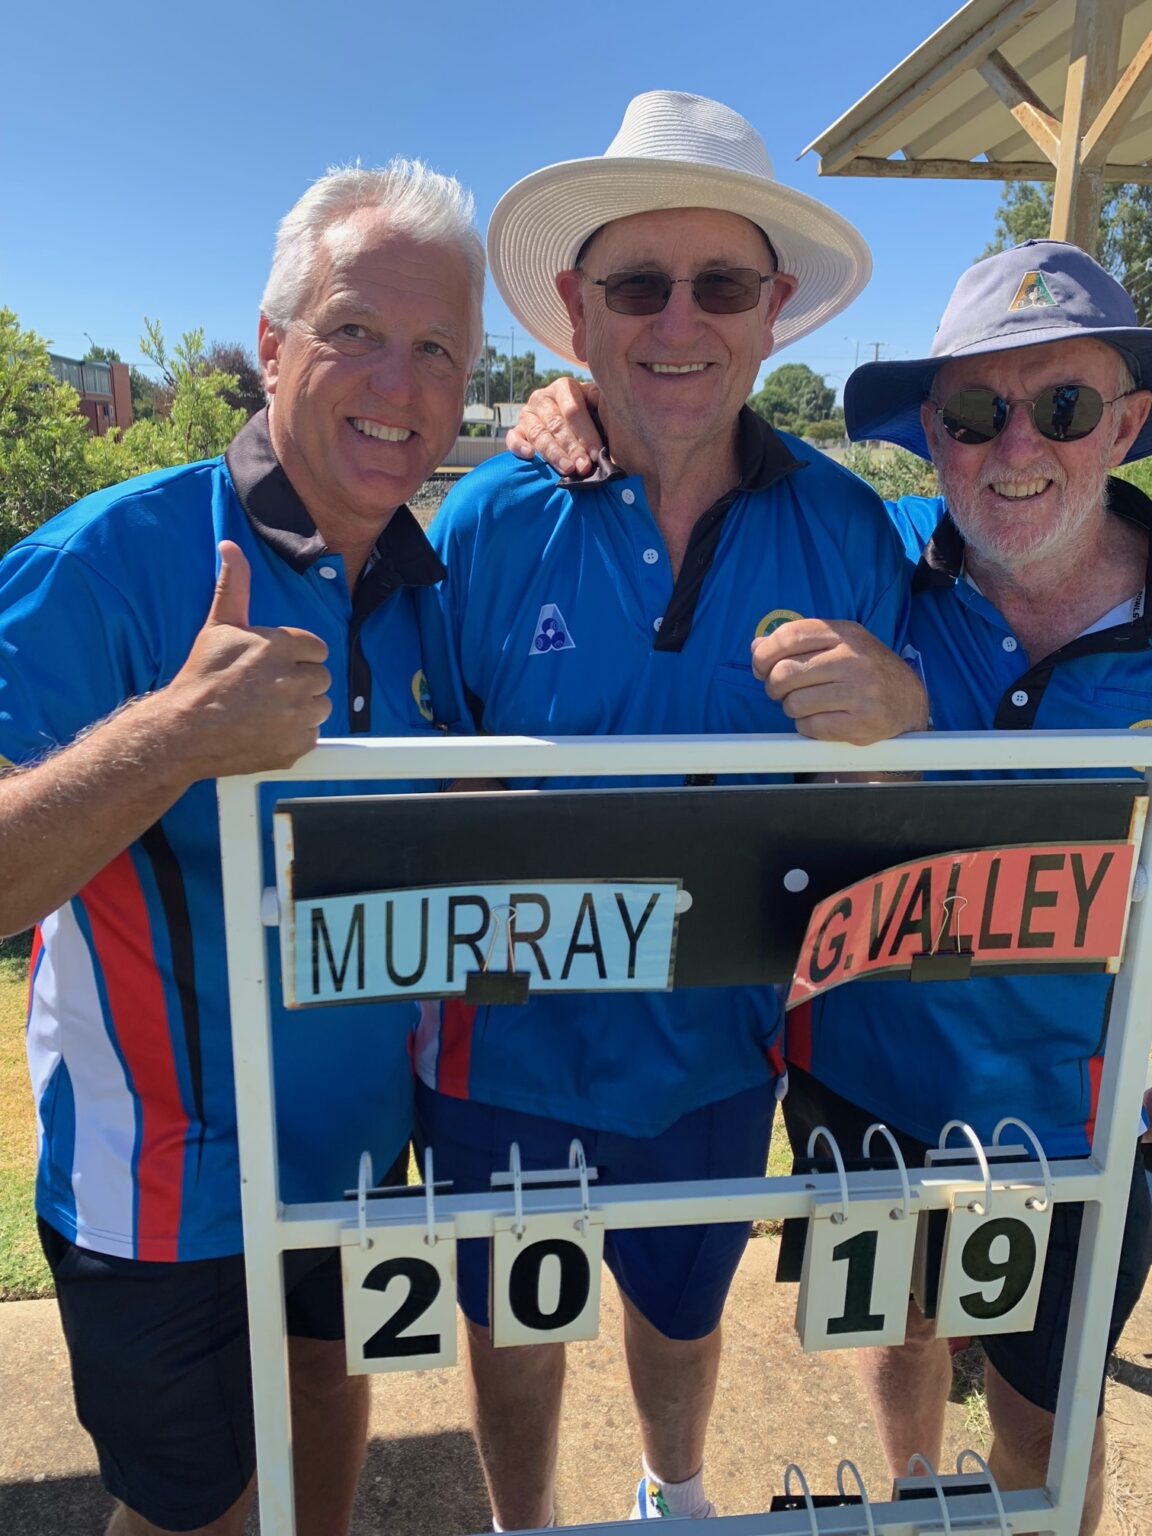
(651, 1505)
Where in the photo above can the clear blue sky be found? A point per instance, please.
(148, 150)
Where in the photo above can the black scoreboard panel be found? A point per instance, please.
(731, 847)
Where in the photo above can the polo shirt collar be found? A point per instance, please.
(280, 518)
(763, 457)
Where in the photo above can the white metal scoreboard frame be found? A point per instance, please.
(1101, 1181)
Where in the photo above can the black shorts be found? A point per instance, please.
(1029, 1362)
(161, 1370)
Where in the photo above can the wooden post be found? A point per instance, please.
(1092, 70)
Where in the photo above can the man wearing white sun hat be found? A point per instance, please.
(628, 604)
(1029, 580)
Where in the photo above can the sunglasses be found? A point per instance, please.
(720, 291)
(1063, 413)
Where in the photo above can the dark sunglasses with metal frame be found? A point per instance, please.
(718, 291)
(1063, 413)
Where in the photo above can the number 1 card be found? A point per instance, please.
(857, 1275)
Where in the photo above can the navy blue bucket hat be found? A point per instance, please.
(1038, 292)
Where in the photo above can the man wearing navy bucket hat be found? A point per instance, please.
(1029, 578)
(1029, 613)
(673, 264)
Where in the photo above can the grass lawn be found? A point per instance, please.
(23, 1273)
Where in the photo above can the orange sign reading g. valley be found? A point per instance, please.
(1052, 903)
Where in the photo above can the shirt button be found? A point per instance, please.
(627, 497)
(651, 556)
(656, 623)
(329, 572)
(358, 704)
(1009, 643)
(1019, 698)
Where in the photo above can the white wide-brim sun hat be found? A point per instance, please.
(673, 150)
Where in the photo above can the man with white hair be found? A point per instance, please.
(628, 604)
(198, 622)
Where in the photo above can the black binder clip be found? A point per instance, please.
(486, 987)
(936, 964)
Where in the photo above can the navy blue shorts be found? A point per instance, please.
(161, 1370)
(676, 1277)
(1030, 1362)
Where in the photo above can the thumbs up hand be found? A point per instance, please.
(233, 588)
(248, 698)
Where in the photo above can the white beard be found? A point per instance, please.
(1015, 547)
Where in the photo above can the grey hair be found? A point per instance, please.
(418, 201)
(1125, 378)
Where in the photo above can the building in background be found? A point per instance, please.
(104, 388)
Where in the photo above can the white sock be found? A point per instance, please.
(496, 1526)
(686, 1499)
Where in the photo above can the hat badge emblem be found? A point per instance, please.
(1033, 293)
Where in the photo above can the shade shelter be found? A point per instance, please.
(1014, 90)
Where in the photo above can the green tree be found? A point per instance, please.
(1124, 244)
(231, 357)
(793, 395)
(829, 431)
(43, 437)
(510, 379)
(1024, 213)
(48, 457)
(199, 422)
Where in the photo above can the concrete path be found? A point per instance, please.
(422, 1478)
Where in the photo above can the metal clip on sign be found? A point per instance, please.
(487, 987)
(939, 964)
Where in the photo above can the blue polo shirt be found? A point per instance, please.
(129, 1041)
(977, 1050)
(560, 616)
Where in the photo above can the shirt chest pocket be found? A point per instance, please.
(739, 701)
(1122, 707)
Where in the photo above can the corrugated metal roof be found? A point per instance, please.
(936, 106)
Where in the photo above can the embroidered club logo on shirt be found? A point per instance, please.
(422, 695)
(915, 660)
(1033, 293)
(551, 633)
(1140, 725)
(772, 621)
